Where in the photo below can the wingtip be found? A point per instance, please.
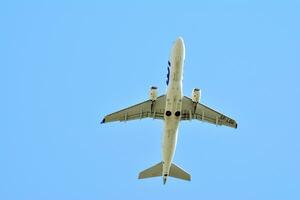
(236, 125)
(103, 121)
(140, 176)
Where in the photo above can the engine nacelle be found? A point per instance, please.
(153, 93)
(196, 95)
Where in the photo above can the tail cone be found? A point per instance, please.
(164, 180)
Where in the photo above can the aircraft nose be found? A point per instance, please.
(180, 42)
(179, 47)
(180, 39)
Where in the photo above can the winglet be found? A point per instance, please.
(103, 121)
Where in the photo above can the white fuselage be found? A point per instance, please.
(173, 104)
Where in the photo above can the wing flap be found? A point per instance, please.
(192, 110)
(151, 109)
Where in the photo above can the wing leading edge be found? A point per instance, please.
(192, 110)
(147, 109)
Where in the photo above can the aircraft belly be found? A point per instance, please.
(173, 107)
(171, 123)
(169, 142)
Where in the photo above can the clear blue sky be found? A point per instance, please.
(65, 64)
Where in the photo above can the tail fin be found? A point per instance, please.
(157, 169)
(153, 171)
(177, 172)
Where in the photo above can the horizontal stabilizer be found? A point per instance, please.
(153, 171)
(177, 172)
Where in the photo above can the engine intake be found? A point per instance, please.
(196, 95)
(153, 93)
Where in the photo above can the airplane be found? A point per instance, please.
(172, 107)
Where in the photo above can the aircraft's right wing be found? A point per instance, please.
(152, 109)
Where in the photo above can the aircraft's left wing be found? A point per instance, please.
(152, 109)
(192, 110)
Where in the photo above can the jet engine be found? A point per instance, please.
(153, 93)
(196, 95)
